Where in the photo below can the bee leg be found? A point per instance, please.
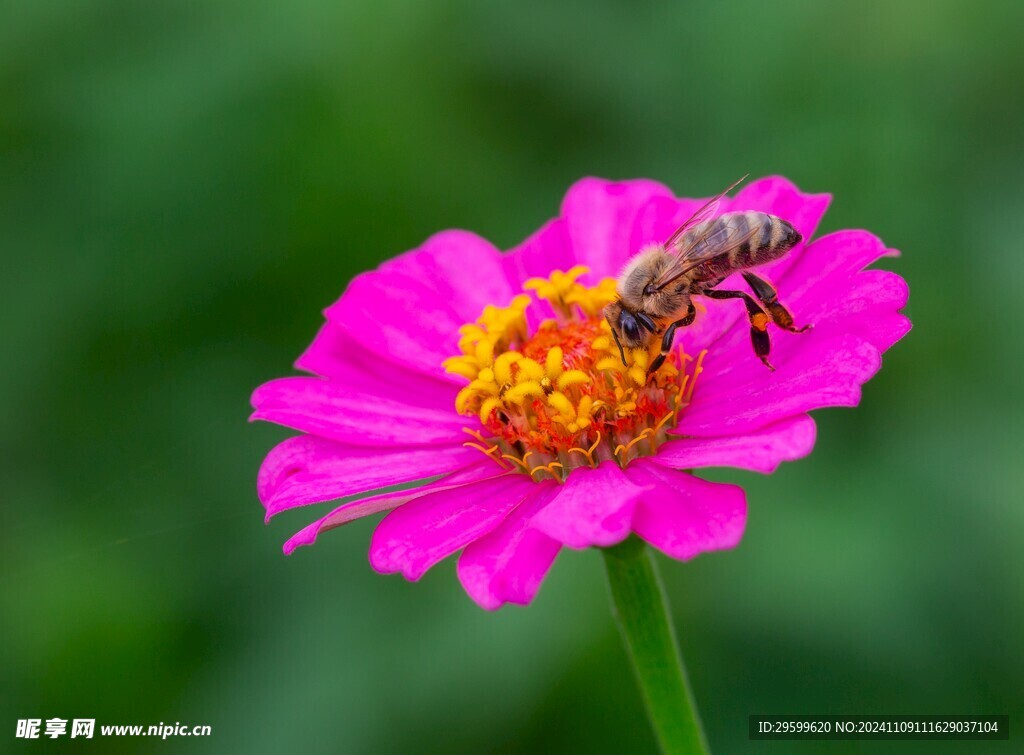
(770, 299)
(758, 323)
(666, 340)
(688, 317)
(646, 322)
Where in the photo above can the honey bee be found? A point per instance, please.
(656, 286)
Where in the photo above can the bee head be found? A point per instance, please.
(629, 325)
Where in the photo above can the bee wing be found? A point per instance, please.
(706, 212)
(684, 254)
(715, 240)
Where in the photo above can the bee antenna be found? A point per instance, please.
(618, 343)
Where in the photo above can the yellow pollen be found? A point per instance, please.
(560, 397)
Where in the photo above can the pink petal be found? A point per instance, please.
(760, 451)
(463, 269)
(333, 411)
(827, 374)
(776, 196)
(335, 355)
(834, 258)
(401, 319)
(825, 287)
(508, 564)
(353, 510)
(867, 306)
(417, 535)
(731, 364)
(593, 507)
(308, 469)
(684, 516)
(660, 216)
(410, 309)
(780, 197)
(549, 248)
(546, 250)
(845, 301)
(599, 217)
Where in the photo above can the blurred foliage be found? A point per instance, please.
(184, 185)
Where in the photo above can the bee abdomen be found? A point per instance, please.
(743, 239)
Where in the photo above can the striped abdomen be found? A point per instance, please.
(737, 240)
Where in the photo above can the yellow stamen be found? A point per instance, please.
(589, 452)
(624, 449)
(553, 363)
(486, 451)
(664, 420)
(488, 406)
(572, 377)
(503, 366)
(697, 369)
(529, 370)
(474, 433)
(557, 287)
(523, 391)
(549, 468)
(516, 460)
(563, 393)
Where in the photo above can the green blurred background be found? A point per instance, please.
(185, 185)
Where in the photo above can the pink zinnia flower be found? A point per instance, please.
(494, 373)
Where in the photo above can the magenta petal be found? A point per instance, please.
(508, 564)
(353, 510)
(308, 469)
(410, 309)
(660, 216)
(547, 249)
(463, 269)
(599, 217)
(830, 260)
(335, 355)
(778, 196)
(332, 411)
(848, 301)
(593, 507)
(760, 451)
(401, 319)
(417, 535)
(827, 374)
(684, 516)
(868, 306)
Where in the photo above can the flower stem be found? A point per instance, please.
(640, 606)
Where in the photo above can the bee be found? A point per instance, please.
(656, 287)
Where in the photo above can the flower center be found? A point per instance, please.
(560, 397)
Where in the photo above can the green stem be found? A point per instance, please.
(640, 606)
